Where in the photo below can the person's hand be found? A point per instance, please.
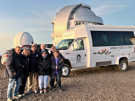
(56, 67)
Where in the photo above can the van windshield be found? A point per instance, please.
(64, 44)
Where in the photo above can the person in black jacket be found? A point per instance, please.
(33, 76)
(14, 70)
(44, 67)
(43, 48)
(26, 69)
(56, 69)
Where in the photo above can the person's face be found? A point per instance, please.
(44, 54)
(26, 52)
(17, 50)
(56, 54)
(53, 49)
(42, 46)
(33, 48)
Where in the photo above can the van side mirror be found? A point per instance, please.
(132, 40)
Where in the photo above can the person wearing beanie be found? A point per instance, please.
(44, 66)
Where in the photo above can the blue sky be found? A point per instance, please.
(35, 16)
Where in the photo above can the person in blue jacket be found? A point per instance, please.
(56, 69)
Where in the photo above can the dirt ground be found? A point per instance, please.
(105, 84)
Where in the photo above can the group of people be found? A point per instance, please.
(30, 70)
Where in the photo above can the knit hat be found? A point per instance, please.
(42, 51)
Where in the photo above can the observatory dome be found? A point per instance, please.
(22, 39)
(71, 16)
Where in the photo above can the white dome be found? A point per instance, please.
(71, 16)
(84, 13)
(23, 38)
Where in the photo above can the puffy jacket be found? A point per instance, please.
(44, 66)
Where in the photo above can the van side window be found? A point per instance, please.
(78, 45)
(111, 38)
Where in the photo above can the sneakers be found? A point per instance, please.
(9, 99)
(35, 91)
(41, 91)
(45, 91)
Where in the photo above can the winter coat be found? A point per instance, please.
(14, 69)
(34, 57)
(26, 64)
(44, 66)
(40, 52)
(60, 64)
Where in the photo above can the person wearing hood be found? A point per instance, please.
(44, 67)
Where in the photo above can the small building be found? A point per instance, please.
(71, 16)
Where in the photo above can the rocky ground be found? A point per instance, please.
(105, 84)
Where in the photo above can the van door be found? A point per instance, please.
(78, 55)
(100, 51)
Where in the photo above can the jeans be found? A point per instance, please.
(23, 83)
(57, 78)
(13, 87)
(43, 81)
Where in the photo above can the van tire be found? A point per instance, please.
(123, 65)
(66, 71)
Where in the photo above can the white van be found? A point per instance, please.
(88, 46)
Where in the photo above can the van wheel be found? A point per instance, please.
(65, 71)
(123, 66)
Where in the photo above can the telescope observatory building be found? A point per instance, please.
(71, 16)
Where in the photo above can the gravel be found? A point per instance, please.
(104, 84)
